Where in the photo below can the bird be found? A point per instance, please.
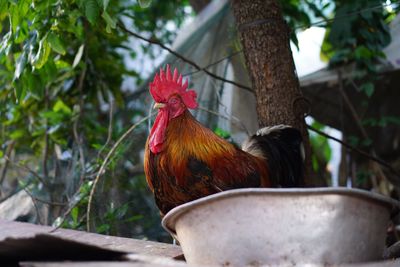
(185, 161)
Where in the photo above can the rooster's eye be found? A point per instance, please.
(173, 100)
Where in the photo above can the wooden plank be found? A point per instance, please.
(88, 264)
(91, 264)
(135, 260)
(18, 230)
(170, 263)
(29, 242)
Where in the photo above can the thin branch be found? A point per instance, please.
(356, 12)
(361, 152)
(78, 137)
(35, 205)
(27, 169)
(44, 201)
(103, 166)
(155, 42)
(351, 107)
(66, 213)
(46, 137)
(110, 126)
(9, 150)
(215, 62)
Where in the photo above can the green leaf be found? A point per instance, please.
(104, 228)
(353, 140)
(50, 70)
(78, 56)
(111, 23)
(14, 17)
(91, 11)
(56, 43)
(42, 54)
(23, 7)
(327, 151)
(366, 142)
(314, 161)
(20, 65)
(1, 154)
(363, 52)
(74, 214)
(17, 134)
(53, 117)
(62, 65)
(5, 43)
(60, 106)
(144, 3)
(3, 10)
(134, 218)
(105, 4)
(33, 85)
(391, 119)
(368, 88)
(222, 133)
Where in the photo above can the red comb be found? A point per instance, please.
(166, 84)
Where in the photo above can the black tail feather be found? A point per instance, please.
(283, 150)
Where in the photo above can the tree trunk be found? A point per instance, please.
(264, 36)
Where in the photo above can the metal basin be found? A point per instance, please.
(251, 227)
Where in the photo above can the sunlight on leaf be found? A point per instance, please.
(144, 3)
(57, 222)
(20, 66)
(111, 23)
(42, 55)
(60, 106)
(105, 4)
(17, 134)
(74, 214)
(5, 44)
(78, 56)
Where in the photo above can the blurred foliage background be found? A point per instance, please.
(68, 77)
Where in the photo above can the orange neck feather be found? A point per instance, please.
(185, 138)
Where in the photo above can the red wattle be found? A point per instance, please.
(157, 133)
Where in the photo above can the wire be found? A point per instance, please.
(183, 58)
(215, 62)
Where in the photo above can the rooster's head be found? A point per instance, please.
(172, 98)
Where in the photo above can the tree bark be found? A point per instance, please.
(264, 36)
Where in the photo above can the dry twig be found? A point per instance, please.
(103, 166)
(361, 152)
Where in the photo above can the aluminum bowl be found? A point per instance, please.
(255, 226)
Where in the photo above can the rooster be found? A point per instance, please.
(185, 161)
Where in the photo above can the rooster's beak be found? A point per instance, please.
(158, 105)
